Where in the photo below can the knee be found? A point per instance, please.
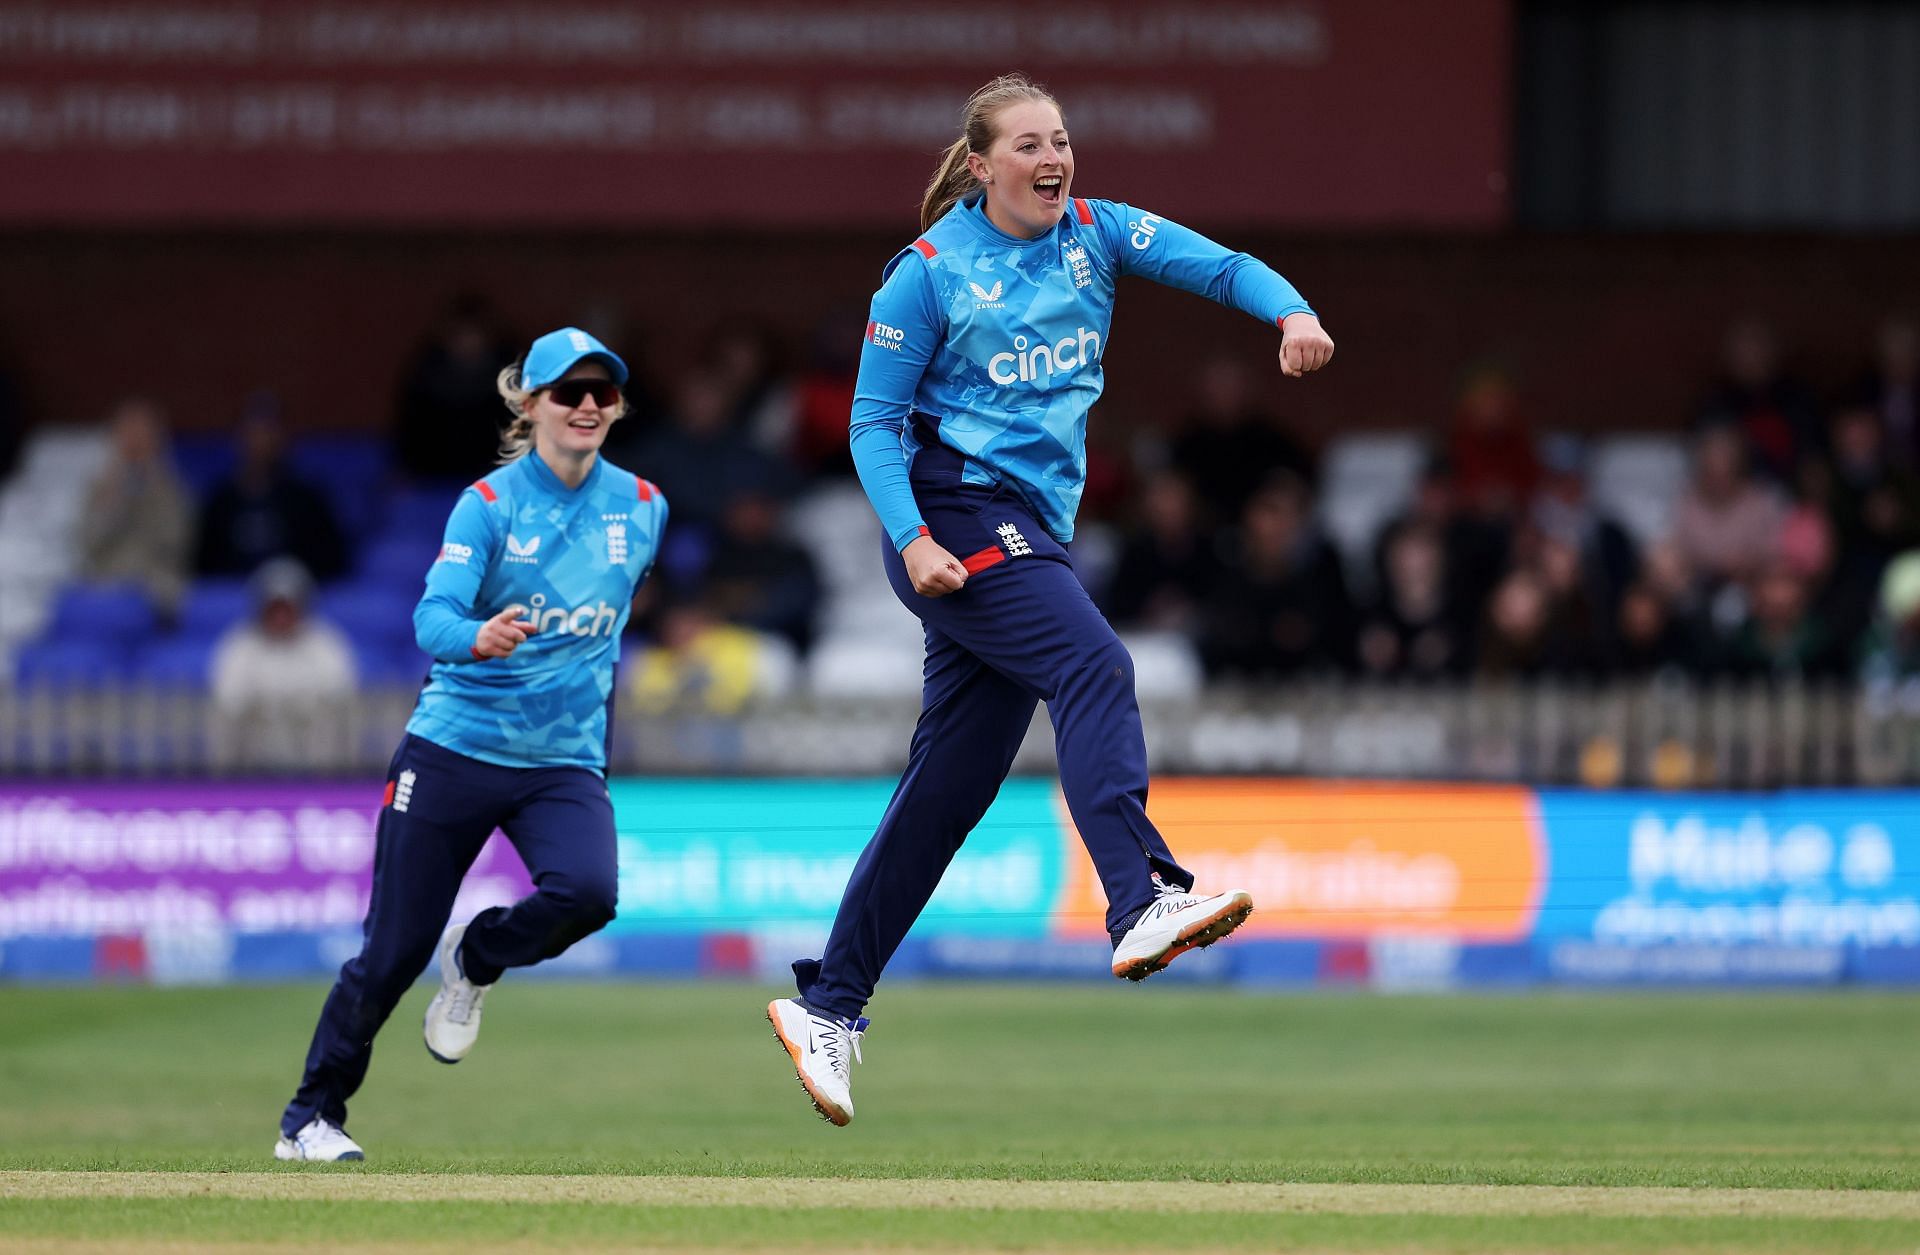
(588, 904)
(1108, 666)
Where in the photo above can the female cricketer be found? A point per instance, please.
(981, 360)
(522, 615)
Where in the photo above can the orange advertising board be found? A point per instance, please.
(1324, 860)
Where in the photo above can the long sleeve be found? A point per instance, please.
(903, 331)
(1166, 252)
(445, 623)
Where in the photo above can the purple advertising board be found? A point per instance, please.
(97, 862)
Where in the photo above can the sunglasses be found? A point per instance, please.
(571, 392)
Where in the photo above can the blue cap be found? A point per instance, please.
(557, 352)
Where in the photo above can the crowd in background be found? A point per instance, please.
(1793, 548)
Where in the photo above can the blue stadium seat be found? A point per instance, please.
(421, 512)
(116, 614)
(211, 606)
(55, 663)
(399, 560)
(390, 665)
(203, 461)
(184, 661)
(351, 472)
(380, 614)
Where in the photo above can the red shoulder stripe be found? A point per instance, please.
(485, 490)
(646, 489)
(925, 249)
(1083, 212)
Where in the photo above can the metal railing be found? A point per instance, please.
(1666, 734)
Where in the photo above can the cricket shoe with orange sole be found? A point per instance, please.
(824, 1049)
(1175, 923)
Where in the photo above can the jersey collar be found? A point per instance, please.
(543, 475)
(973, 212)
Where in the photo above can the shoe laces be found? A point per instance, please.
(466, 1000)
(841, 1037)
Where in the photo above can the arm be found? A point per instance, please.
(903, 329)
(444, 622)
(1146, 244)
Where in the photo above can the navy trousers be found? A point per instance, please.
(1022, 631)
(443, 806)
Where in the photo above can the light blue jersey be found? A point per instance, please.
(572, 558)
(997, 341)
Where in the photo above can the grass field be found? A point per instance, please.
(1056, 1118)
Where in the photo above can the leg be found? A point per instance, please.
(1032, 621)
(417, 869)
(563, 829)
(972, 721)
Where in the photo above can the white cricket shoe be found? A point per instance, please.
(824, 1050)
(1176, 923)
(319, 1140)
(453, 1017)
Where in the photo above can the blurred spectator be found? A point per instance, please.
(1783, 636)
(1517, 641)
(1727, 523)
(1775, 412)
(1891, 389)
(743, 359)
(1279, 606)
(1875, 511)
(282, 681)
(823, 397)
(1229, 445)
(1563, 514)
(1490, 448)
(1476, 550)
(262, 510)
(138, 524)
(12, 425)
(699, 664)
(1415, 629)
(448, 417)
(758, 578)
(1650, 635)
(701, 460)
(1167, 564)
(1891, 651)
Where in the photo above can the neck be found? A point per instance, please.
(569, 468)
(998, 217)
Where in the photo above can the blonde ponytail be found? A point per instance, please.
(953, 180)
(518, 436)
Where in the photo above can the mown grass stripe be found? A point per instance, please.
(315, 1182)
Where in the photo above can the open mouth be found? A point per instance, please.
(584, 424)
(1048, 189)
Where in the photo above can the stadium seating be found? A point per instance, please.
(1365, 481)
(1637, 479)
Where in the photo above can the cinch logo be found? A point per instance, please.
(1143, 230)
(585, 621)
(988, 298)
(886, 337)
(1025, 365)
(450, 552)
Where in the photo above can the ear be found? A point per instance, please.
(977, 166)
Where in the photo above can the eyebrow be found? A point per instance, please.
(1036, 135)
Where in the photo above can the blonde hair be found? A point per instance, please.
(952, 180)
(518, 436)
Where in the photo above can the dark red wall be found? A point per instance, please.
(1608, 332)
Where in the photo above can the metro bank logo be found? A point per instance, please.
(878, 333)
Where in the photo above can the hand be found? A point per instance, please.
(1304, 345)
(502, 634)
(932, 570)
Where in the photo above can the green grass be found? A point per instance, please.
(1030, 1082)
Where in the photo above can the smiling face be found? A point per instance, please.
(573, 432)
(1027, 170)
